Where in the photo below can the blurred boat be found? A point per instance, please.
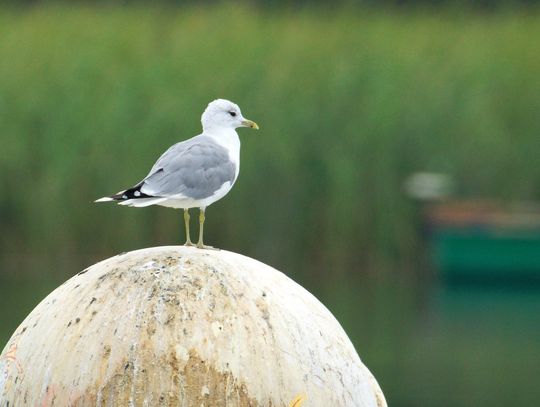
(483, 241)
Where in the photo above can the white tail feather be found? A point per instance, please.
(141, 202)
(104, 199)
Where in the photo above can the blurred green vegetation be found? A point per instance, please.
(349, 104)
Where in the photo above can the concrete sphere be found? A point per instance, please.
(179, 326)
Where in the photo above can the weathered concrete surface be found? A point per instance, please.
(178, 326)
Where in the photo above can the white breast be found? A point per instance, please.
(228, 138)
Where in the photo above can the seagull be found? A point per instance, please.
(196, 172)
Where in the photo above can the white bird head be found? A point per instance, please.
(222, 113)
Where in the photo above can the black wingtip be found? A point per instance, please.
(131, 193)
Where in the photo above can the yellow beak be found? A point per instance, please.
(251, 124)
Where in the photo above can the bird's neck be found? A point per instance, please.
(226, 137)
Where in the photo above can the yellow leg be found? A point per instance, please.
(186, 223)
(200, 243)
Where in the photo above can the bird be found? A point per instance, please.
(194, 173)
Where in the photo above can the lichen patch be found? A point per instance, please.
(194, 382)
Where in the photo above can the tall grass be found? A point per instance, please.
(349, 104)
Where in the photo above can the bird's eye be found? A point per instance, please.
(232, 114)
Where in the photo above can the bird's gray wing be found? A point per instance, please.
(194, 169)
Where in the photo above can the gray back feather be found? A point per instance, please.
(195, 168)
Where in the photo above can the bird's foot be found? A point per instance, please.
(203, 246)
(189, 243)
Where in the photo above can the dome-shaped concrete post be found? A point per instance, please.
(178, 326)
